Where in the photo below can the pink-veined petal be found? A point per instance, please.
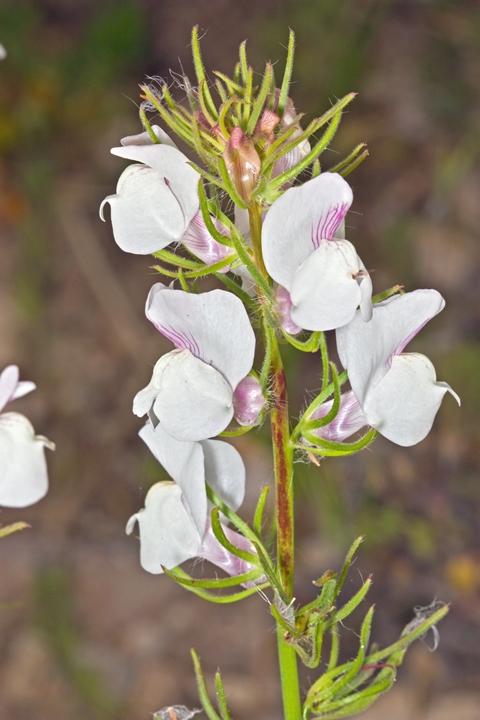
(215, 553)
(184, 462)
(224, 472)
(23, 469)
(349, 420)
(366, 349)
(168, 535)
(172, 165)
(199, 241)
(146, 215)
(145, 139)
(214, 326)
(191, 399)
(299, 220)
(403, 405)
(325, 292)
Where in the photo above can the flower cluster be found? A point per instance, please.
(304, 275)
(238, 212)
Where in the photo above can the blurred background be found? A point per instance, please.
(84, 632)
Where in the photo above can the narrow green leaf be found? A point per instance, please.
(334, 649)
(348, 561)
(221, 699)
(287, 75)
(258, 517)
(200, 72)
(225, 542)
(388, 293)
(353, 165)
(146, 124)
(310, 345)
(346, 161)
(260, 100)
(202, 689)
(213, 583)
(350, 606)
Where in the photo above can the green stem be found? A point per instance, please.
(283, 468)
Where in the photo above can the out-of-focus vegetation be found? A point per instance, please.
(97, 637)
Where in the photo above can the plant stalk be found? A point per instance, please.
(283, 469)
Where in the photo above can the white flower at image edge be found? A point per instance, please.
(23, 469)
(157, 202)
(192, 390)
(394, 392)
(304, 251)
(175, 525)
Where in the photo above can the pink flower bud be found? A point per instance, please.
(282, 307)
(215, 553)
(243, 163)
(248, 401)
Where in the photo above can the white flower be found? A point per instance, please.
(192, 388)
(3, 52)
(175, 525)
(23, 470)
(157, 202)
(304, 250)
(397, 392)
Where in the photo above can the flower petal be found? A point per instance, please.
(8, 384)
(173, 166)
(325, 292)
(199, 241)
(168, 535)
(190, 398)
(224, 472)
(215, 553)
(366, 349)
(146, 215)
(299, 220)
(184, 462)
(213, 325)
(23, 469)
(145, 139)
(403, 405)
(349, 420)
(248, 401)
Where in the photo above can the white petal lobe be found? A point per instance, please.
(23, 469)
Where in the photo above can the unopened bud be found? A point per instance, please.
(248, 401)
(282, 308)
(243, 163)
(267, 124)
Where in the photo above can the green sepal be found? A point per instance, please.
(229, 186)
(259, 510)
(260, 100)
(167, 117)
(328, 448)
(334, 648)
(207, 219)
(147, 126)
(353, 165)
(219, 599)
(309, 425)
(289, 175)
(203, 95)
(346, 161)
(232, 86)
(348, 561)
(221, 698)
(326, 687)
(350, 606)
(233, 517)
(322, 604)
(202, 689)
(225, 542)
(177, 260)
(201, 152)
(213, 583)
(244, 254)
(182, 280)
(388, 293)
(287, 75)
(310, 345)
(269, 570)
(200, 73)
(244, 297)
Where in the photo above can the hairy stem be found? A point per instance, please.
(283, 468)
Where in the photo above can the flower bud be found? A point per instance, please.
(282, 307)
(243, 163)
(248, 401)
